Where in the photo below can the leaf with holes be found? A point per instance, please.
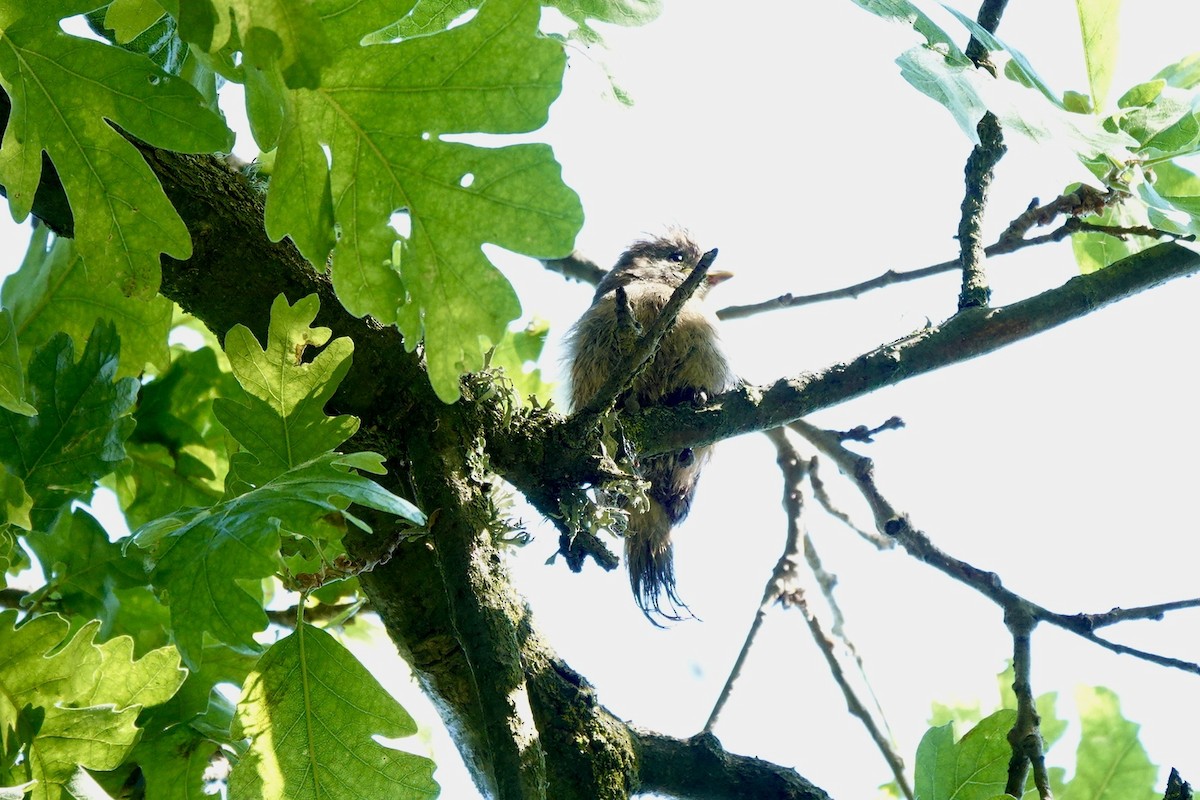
(382, 110)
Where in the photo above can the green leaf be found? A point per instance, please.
(1029, 75)
(280, 35)
(86, 696)
(1184, 73)
(1110, 763)
(433, 16)
(281, 419)
(1077, 102)
(517, 354)
(1099, 26)
(177, 453)
(382, 111)
(974, 768)
(128, 18)
(52, 292)
(17, 503)
(12, 375)
(78, 435)
(312, 712)
(65, 91)
(906, 13)
(174, 763)
(1095, 251)
(203, 557)
(953, 86)
(1143, 94)
(82, 567)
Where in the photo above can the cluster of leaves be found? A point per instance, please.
(229, 467)
(1133, 148)
(358, 125)
(1110, 761)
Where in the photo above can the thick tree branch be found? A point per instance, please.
(699, 768)
(964, 336)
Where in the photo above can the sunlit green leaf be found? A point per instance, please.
(202, 557)
(65, 90)
(52, 292)
(12, 374)
(78, 435)
(517, 354)
(177, 453)
(1098, 24)
(494, 74)
(432, 16)
(86, 696)
(312, 712)
(1111, 763)
(1183, 74)
(128, 18)
(994, 44)
(82, 567)
(973, 768)
(281, 420)
(904, 12)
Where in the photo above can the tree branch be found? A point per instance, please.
(699, 768)
(1025, 738)
(576, 267)
(979, 171)
(1007, 243)
(964, 336)
(892, 523)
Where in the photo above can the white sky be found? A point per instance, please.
(783, 134)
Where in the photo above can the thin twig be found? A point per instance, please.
(1025, 738)
(785, 588)
(822, 496)
(1009, 242)
(576, 267)
(892, 523)
(793, 468)
(1155, 612)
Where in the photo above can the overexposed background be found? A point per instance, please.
(783, 133)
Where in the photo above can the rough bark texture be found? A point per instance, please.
(528, 726)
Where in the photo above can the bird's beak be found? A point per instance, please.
(717, 276)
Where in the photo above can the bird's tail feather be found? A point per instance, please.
(651, 565)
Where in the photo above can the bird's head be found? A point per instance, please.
(663, 259)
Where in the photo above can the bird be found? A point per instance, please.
(688, 367)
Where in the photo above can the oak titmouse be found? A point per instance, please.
(688, 366)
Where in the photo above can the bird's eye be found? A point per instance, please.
(676, 256)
